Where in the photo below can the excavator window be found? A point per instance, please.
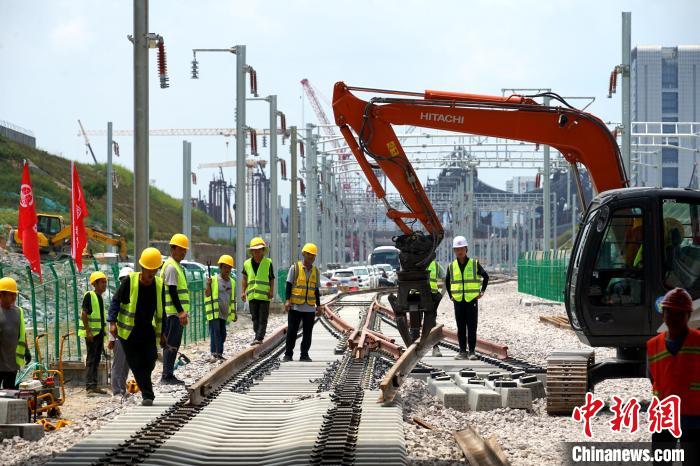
(681, 247)
(48, 225)
(618, 274)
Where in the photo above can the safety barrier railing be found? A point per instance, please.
(543, 273)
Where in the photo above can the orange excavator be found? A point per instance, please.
(632, 246)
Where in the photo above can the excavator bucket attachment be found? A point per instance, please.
(414, 295)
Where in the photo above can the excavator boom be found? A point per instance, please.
(580, 137)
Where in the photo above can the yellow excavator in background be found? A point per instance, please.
(54, 237)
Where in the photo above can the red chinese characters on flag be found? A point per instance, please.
(625, 416)
(586, 412)
(27, 223)
(78, 212)
(665, 415)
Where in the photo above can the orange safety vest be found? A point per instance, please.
(679, 374)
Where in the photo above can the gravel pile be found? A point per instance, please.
(88, 414)
(527, 437)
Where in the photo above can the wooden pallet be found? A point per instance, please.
(557, 321)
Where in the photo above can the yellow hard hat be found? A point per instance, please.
(8, 284)
(257, 243)
(181, 240)
(226, 259)
(151, 259)
(310, 248)
(94, 276)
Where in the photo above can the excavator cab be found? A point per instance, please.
(633, 246)
(49, 225)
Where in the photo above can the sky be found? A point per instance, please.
(64, 60)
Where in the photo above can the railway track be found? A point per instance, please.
(254, 409)
(265, 412)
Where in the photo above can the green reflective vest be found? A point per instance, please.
(127, 312)
(95, 319)
(467, 287)
(183, 293)
(433, 269)
(258, 283)
(304, 289)
(211, 303)
(21, 340)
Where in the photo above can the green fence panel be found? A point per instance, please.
(282, 283)
(543, 273)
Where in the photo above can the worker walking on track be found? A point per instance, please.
(258, 285)
(177, 305)
(13, 339)
(465, 289)
(138, 321)
(220, 305)
(93, 327)
(673, 360)
(120, 368)
(303, 302)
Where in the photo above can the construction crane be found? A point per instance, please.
(326, 126)
(87, 141)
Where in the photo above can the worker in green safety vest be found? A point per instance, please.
(13, 339)
(465, 288)
(137, 320)
(93, 327)
(177, 305)
(220, 305)
(258, 285)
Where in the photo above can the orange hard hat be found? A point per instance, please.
(677, 300)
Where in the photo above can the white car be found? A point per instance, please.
(375, 274)
(344, 277)
(391, 273)
(362, 273)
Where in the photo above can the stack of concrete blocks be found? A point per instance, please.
(511, 395)
(13, 420)
(479, 397)
(534, 384)
(451, 396)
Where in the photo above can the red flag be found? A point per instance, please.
(27, 222)
(78, 212)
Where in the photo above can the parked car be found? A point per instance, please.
(198, 266)
(363, 275)
(375, 273)
(390, 272)
(344, 278)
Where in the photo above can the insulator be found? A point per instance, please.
(301, 148)
(283, 124)
(195, 69)
(162, 66)
(253, 142)
(264, 141)
(283, 169)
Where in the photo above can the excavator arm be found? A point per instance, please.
(367, 128)
(111, 239)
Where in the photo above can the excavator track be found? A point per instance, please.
(567, 380)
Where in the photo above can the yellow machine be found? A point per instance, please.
(54, 235)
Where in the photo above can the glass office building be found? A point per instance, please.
(665, 89)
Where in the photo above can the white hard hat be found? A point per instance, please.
(459, 242)
(125, 272)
